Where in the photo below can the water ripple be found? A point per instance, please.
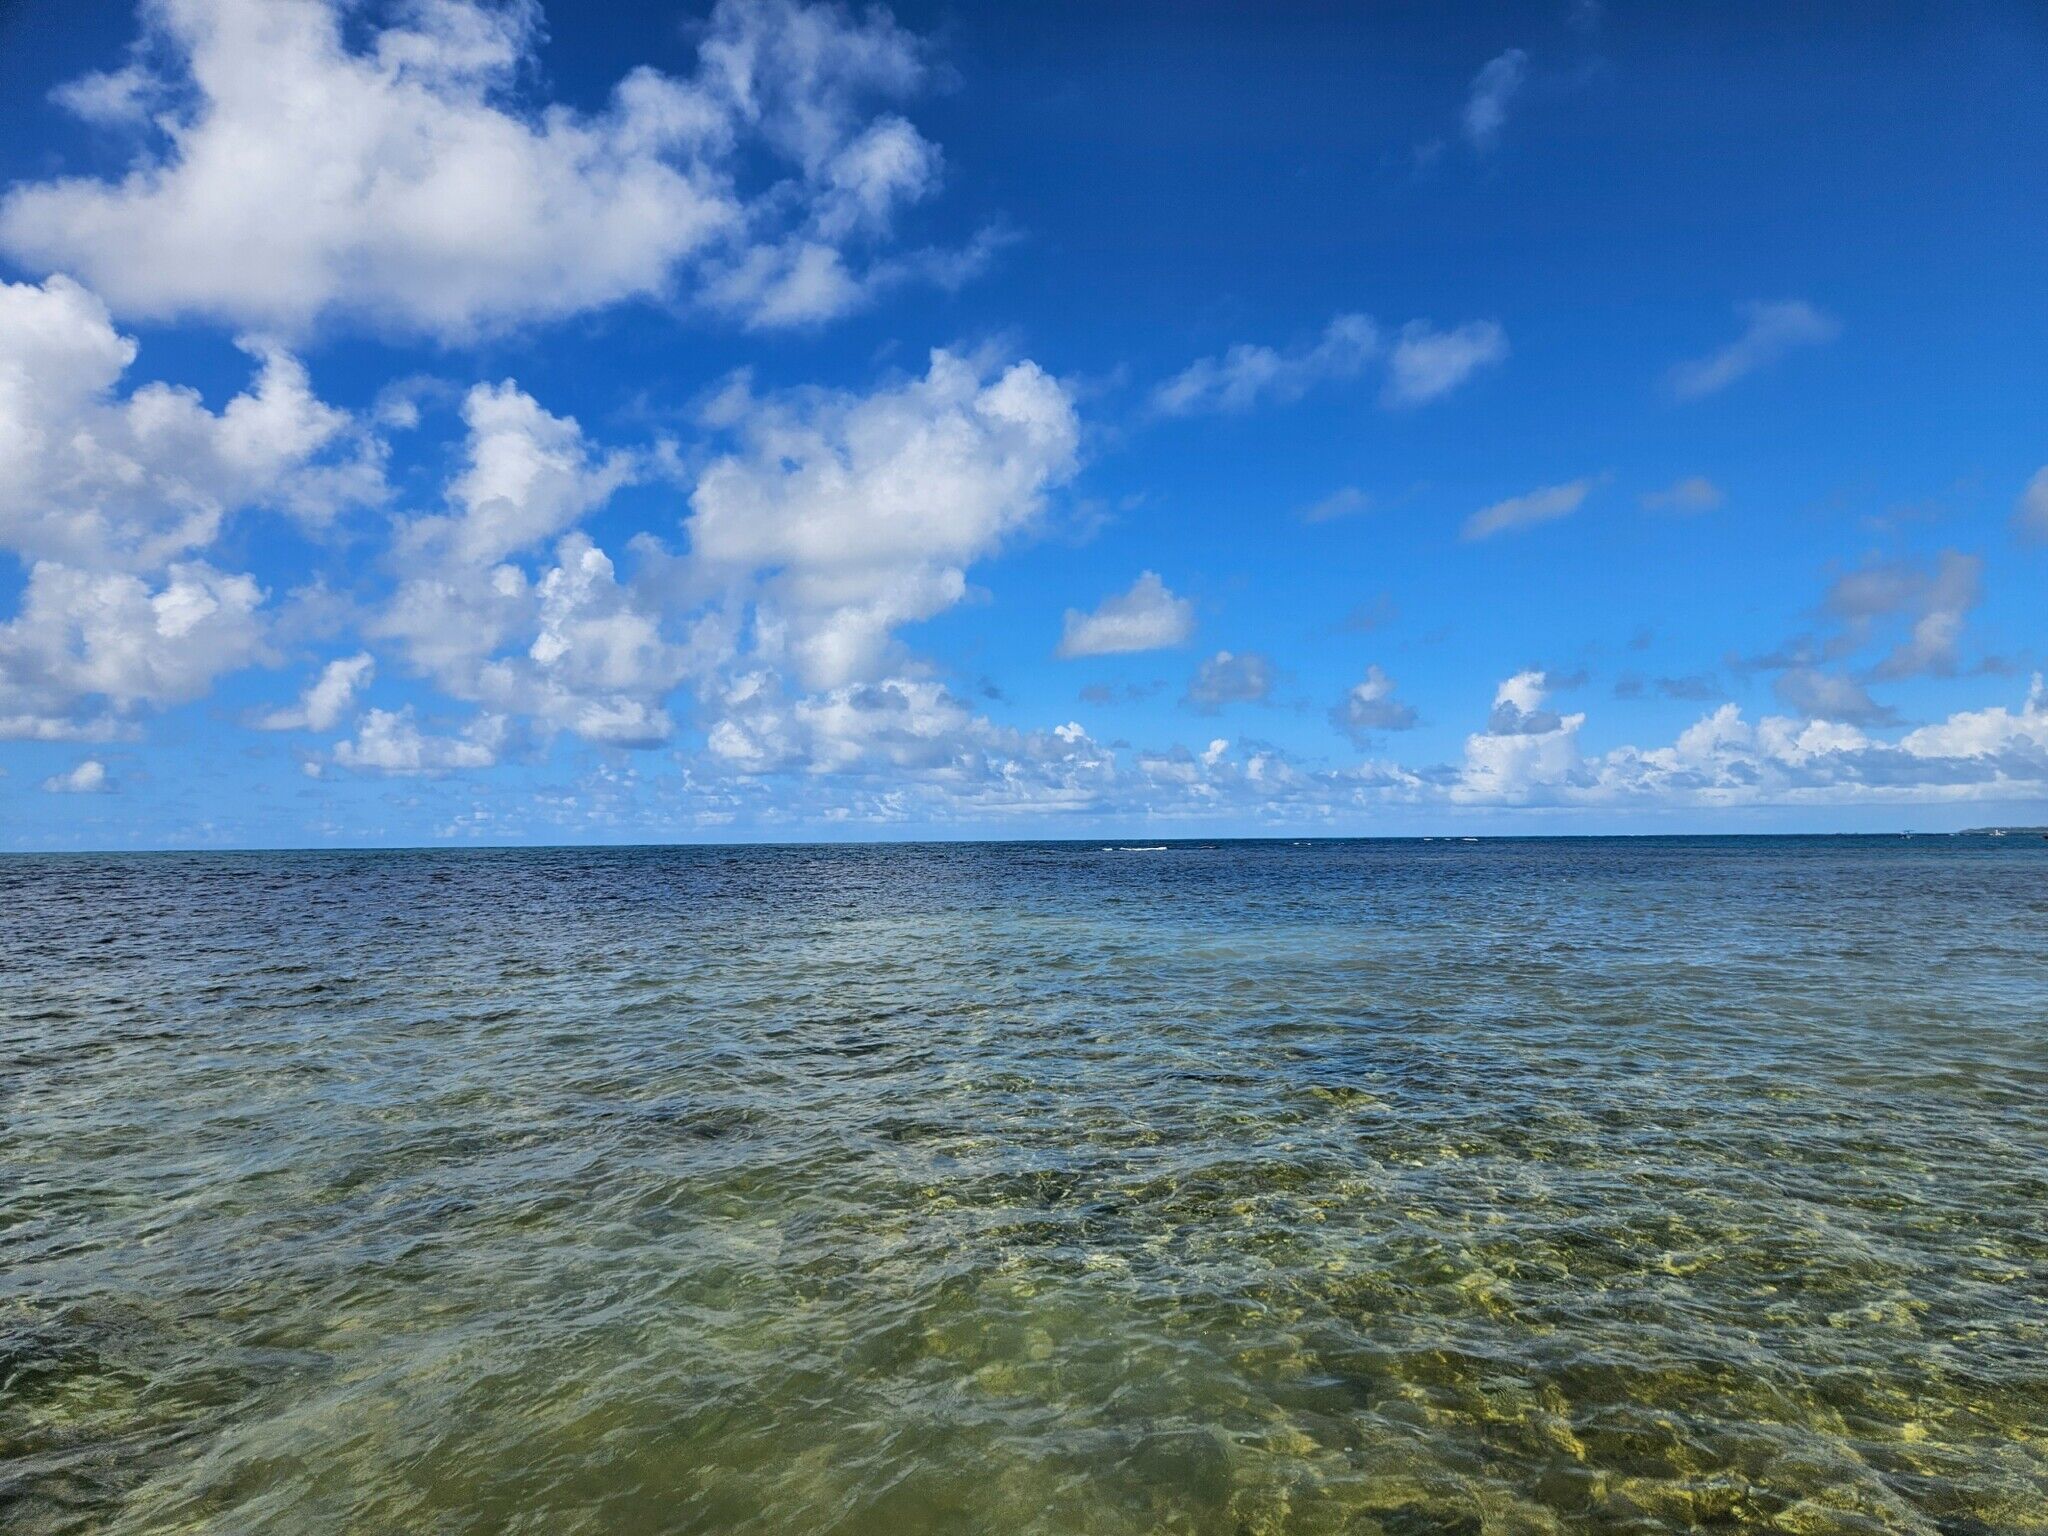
(1627, 1186)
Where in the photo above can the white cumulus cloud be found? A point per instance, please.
(1146, 618)
(89, 648)
(389, 741)
(287, 167)
(566, 644)
(97, 478)
(87, 778)
(847, 515)
(327, 698)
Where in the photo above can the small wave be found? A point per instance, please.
(1143, 848)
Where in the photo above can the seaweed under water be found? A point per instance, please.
(1515, 1186)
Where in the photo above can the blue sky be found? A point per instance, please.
(445, 421)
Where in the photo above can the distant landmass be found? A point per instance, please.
(2005, 832)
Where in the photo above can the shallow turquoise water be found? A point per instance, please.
(1605, 1186)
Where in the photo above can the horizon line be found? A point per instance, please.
(1107, 842)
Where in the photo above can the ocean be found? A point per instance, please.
(1474, 1187)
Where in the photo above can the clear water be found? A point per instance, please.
(1605, 1186)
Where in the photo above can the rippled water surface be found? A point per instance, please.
(1605, 1186)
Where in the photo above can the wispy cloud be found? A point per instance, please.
(1424, 364)
(1543, 505)
(1694, 493)
(1939, 600)
(2030, 516)
(1769, 331)
(1694, 686)
(1250, 374)
(1830, 696)
(1493, 90)
(1364, 618)
(1427, 364)
(1347, 501)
